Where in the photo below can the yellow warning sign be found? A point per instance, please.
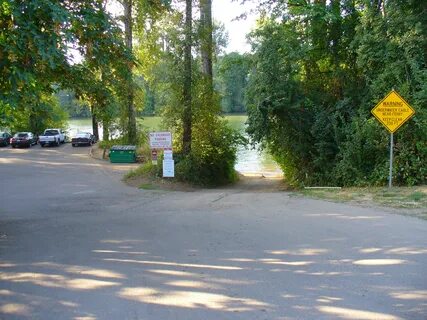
(393, 111)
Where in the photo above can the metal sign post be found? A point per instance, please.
(390, 178)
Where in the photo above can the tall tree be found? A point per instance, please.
(206, 43)
(131, 115)
(187, 96)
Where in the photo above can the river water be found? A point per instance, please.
(249, 160)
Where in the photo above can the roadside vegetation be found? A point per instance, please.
(318, 69)
(413, 200)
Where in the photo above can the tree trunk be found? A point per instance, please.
(105, 131)
(94, 124)
(206, 33)
(206, 48)
(187, 115)
(131, 130)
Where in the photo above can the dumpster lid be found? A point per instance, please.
(123, 148)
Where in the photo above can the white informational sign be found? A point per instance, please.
(160, 140)
(168, 168)
(167, 154)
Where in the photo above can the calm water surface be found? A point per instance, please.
(248, 160)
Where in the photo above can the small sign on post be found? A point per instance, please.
(167, 154)
(392, 111)
(154, 156)
(168, 168)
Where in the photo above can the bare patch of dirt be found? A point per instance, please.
(245, 183)
(149, 183)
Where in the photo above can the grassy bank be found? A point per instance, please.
(409, 199)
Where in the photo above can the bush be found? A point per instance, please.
(212, 159)
(146, 170)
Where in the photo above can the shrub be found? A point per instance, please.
(212, 159)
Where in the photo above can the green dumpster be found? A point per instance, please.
(123, 154)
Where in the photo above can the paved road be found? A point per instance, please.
(75, 243)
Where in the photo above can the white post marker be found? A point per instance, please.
(390, 175)
(392, 111)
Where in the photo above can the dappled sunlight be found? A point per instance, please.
(6, 293)
(15, 309)
(322, 214)
(176, 264)
(410, 295)
(359, 217)
(301, 307)
(407, 251)
(7, 265)
(271, 261)
(69, 304)
(330, 273)
(122, 252)
(240, 260)
(233, 282)
(125, 241)
(192, 284)
(369, 250)
(9, 160)
(397, 251)
(191, 299)
(379, 262)
(290, 296)
(286, 263)
(299, 252)
(341, 261)
(173, 273)
(100, 273)
(327, 299)
(354, 314)
(176, 273)
(343, 216)
(55, 281)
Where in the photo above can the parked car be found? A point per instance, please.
(83, 138)
(52, 137)
(5, 138)
(25, 139)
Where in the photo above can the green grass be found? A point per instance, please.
(147, 170)
(397, 197)
(148, 186)
(417, 196)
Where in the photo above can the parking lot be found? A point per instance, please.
(77, 243)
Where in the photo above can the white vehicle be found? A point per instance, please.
(52, 137)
